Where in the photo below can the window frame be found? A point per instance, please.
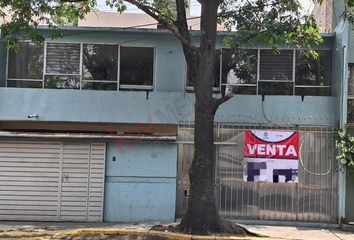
(314, 86)
(241, 84)
(61, 74)
(98, 81)
(24, 79)
(137, 87)
(258, 80)
(191, 88)
(80, 74)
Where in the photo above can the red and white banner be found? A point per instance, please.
(271, 156)
(271, 144)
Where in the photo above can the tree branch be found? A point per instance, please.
(73, 1)
(221, 100)
(172, 27)
(181, 21)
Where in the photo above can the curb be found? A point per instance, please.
(347, 227)
(44, 234)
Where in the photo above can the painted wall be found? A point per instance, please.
(149, 171)
(339, 70)
(337, 14)
(140, 182)
(170, 67)
(168, 103)
(340, 63)
(160, 107)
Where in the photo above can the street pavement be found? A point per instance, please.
(274, 232)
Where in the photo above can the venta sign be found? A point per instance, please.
(271, 144)
(271, 156)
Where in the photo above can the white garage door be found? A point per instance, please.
(51, 181)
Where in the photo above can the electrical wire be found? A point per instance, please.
(308, 171)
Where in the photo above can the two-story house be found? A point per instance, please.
(98, 126)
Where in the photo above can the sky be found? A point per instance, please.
(195, 7)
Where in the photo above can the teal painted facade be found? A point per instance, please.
(347, 179)
(160, 107)
(140, 180)
(168, 102)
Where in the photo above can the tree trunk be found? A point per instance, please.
(202, 215)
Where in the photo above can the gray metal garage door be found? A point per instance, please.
(51, 181)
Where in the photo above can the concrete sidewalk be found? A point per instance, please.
(274, 232)
(303, 233)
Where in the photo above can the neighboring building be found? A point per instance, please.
(97, 126)
(322, 13)
(131, 20)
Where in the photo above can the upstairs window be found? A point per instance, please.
(266, 72)
(313, 75)
(136, 67)
(62, 65)
(276, 72)
(81, 66)
(239, 71)
(25, 66)
(216, 73)
(99, 67)
(63, 58)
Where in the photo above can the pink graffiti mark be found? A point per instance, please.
(139, 131)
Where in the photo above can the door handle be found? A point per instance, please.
(65, 177)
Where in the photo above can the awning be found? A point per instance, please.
(85, 136)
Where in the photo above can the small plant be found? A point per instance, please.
(345, 145)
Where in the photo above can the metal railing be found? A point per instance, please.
(314, 198)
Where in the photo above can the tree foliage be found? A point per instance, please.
(23, 18)
(345, 145)
(272, 22)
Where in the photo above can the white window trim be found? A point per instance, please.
(312, 86)
(99, 81)
(81, 44)
(45, 60)
(102, 81)
(241, 84)
(25, 79)
(21, 79)
(129, 86)
(136, 87)
(258, 80)
(277, 81)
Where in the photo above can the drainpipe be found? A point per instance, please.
(342, 125)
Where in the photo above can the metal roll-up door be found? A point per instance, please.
(51, 181)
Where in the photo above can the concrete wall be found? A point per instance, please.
(168, 103)
(337, 13)
(140, 182)
(340, 63)
(167, 107)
